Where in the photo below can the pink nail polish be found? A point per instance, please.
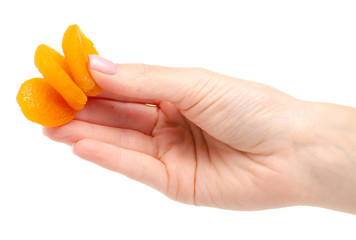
(103, 65)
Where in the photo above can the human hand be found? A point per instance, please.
(213, 140)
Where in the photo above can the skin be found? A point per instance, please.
(214, 140)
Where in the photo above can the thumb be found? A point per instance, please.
(235, 111)
(185, 87)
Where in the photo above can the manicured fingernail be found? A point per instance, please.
(100, 64)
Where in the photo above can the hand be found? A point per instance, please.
(207, 139)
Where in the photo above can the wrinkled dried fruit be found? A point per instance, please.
(41, 103)
(53, 100)
(76, 48)
(55, 70)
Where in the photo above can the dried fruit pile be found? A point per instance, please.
(53, 100)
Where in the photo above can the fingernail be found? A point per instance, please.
(100, 64)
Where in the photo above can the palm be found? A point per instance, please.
(205, 171)
(160, 147)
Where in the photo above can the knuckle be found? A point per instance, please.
(201, 71)
(144, 75)
(144, 71)
(203, 75)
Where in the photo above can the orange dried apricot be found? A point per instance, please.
(53, 100)
(41, 103)
(76, 48)
(55, 70)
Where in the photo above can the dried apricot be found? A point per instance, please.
(41, 103)
(53, 100)
(55, 70)
(76, 48)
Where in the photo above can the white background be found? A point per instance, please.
(305, 48)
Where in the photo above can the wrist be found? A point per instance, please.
(326, 149)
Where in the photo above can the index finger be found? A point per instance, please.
(116, 97)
